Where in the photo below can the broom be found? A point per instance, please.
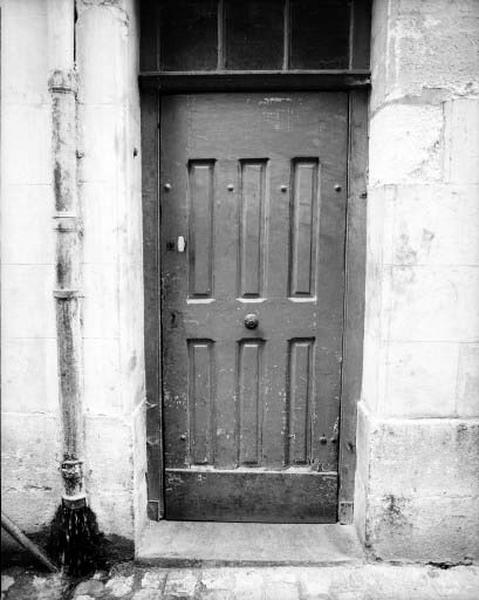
(75, 540)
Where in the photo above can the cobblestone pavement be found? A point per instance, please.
(367, 582)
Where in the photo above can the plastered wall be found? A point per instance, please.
(110, 197)
(417, 485)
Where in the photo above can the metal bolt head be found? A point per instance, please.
(251, 321)
(337, 188)
(231, 187)
(323, 440)
(167, 187)
(284, 188)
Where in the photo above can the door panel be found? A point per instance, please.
(257, 187)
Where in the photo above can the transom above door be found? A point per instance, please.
(253, 193)
(192, 45)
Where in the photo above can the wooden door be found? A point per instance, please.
(253, 196)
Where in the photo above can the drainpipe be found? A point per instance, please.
(67, 224)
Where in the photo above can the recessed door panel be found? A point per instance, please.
(253, 194)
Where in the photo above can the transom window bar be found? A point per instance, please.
(244, 43)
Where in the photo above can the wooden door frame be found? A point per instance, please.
(353, 305)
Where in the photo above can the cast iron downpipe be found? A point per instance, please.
(75, 539)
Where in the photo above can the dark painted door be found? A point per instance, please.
(253, 195)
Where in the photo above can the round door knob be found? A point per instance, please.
(251, 321)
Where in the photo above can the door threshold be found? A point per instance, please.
(200, 543)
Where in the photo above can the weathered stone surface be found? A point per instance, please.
(421, 478)
(110, 183)
(92, 587)
(462, 140)
(31, 486)
(367, 581)
(181, 584)
(426, 48)
(421, 380)
(7, 582)
(406, 144)
(146, 594)
(154, 580)
(467, 391)
(39, 391)
(120, 585)
(421, 293)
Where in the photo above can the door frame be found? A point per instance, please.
(353, 301)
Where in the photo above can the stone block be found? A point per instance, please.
(181, 584)
(101, 298)
(24, 59)
(102, 377)
(102, 32)
(409, 49)
(100, 221)
(406, 145)
(380, 53)
(421, 379)
(114, 512)
(381, 209)
(434, 304)
(467, 391)
(139, 471)
(120, 585)
(27, 226)
(102, 146)
(25, 8)
(28, 306)
(434, 225)
(374, 374)
(27, 139)
(462, 138)
(31, 482)
(433, 529)
(30, 376)
(425, 457)
(420, 496)
(109, 456)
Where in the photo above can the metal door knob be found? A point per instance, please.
(251, 321)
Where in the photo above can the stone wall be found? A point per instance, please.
(417, 484)
(31, 485)
(110, 195)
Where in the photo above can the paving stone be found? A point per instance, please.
(120, 585)
(7, 582)
(147, 594)
(365, 582)
(218, 579)
(216, 595)
(278, 590)
(458, 583)
(249, 584)
(180, 584)
(154, 579)
(315, 583)
(48, 588)
(34, 587)
(92, 587)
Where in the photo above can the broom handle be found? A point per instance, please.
(18, 535)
